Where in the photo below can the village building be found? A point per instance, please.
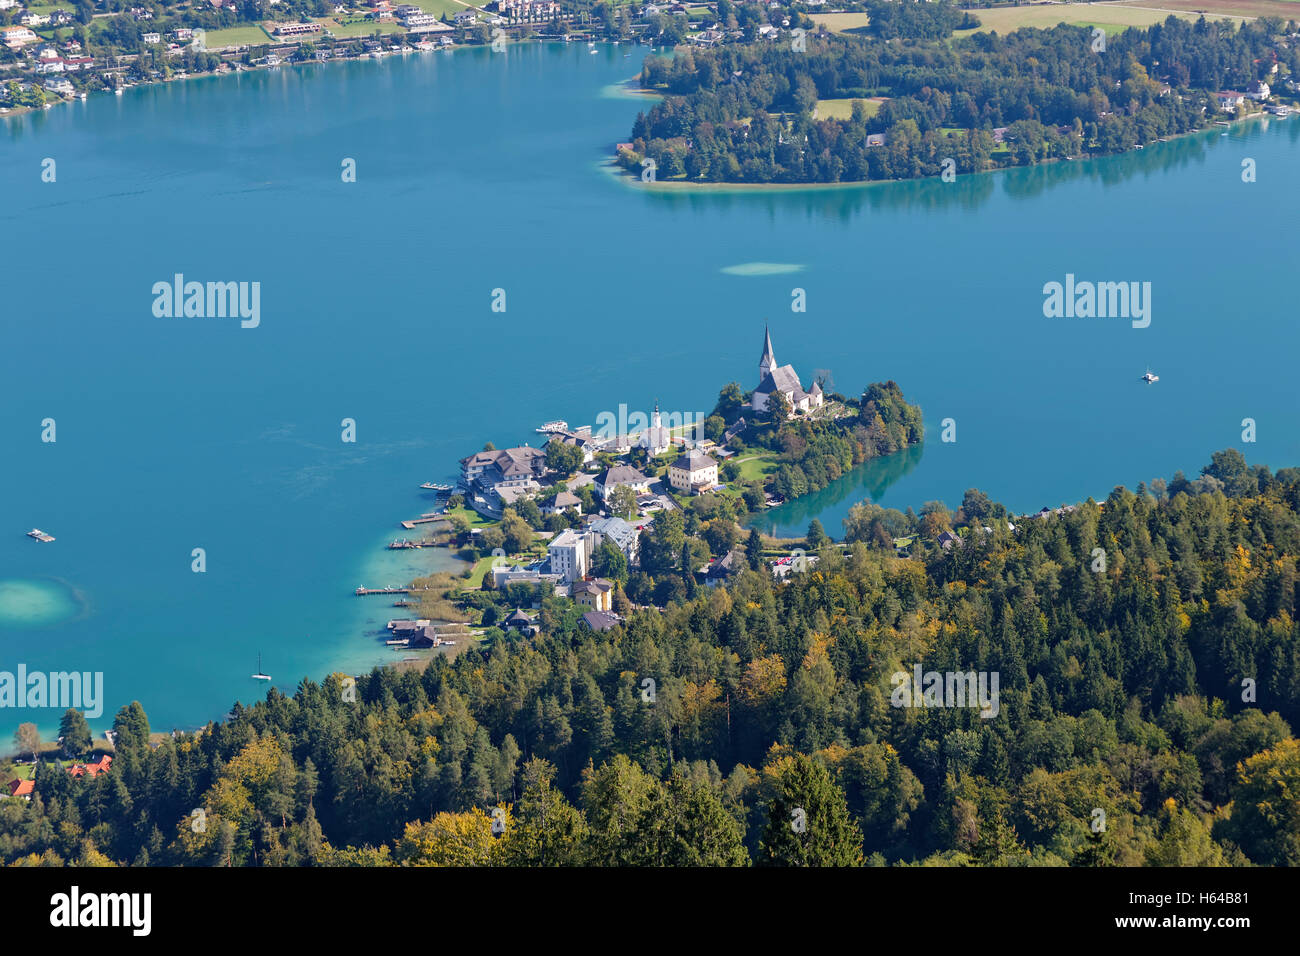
(620, 476)
(569, 554)
(693, 473)
(1229, 100)
(15, 37)
(601, 620)
(564, 501)
(619, 533)
(722, 569)
(1259, 90)
(522, 623)
(782, 379)
(595, 593)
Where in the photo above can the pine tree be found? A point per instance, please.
(808, 822)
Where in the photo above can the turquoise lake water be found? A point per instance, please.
(477, 172)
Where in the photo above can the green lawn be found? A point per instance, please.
(439, 7)
(757, 465)
(236, 36)
(475, 519)
(842, 109)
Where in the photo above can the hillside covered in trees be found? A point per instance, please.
(745, 112)
(1155, 691)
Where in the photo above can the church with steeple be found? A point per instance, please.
(773, 378)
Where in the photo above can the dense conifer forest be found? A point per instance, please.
(1146, 715)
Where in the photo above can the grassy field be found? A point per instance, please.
(252, 35)
(842, 22)
(843, 109)
(1111, 17)
(439, 7)
(475, 519)
(1285, 9)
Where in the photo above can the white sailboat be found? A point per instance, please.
(259, 675)
(1149, 378)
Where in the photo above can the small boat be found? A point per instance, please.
(557, 425)
(118, 91)
(259, 675)
(40, 535)
(1149, 378)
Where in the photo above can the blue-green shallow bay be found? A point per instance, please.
(477, 172)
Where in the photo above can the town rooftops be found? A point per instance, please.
(566, 499)
(592, 586)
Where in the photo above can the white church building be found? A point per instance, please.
(783, 379)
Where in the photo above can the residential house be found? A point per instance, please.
(1229, 100)
(522, 623)
(60, 85)
(782, 379)
(421, 22)
(1258, 90)
(722, 569)
(595, 593)
(15, 37)
(620, 476)
(564, 501)
(151, 37)
(601, 620)
(91, 769)
(21, 788)
(693, 473)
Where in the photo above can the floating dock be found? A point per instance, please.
(40, 535)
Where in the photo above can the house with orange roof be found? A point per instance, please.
(91, 769)
(21, 788)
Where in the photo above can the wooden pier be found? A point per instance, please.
(428, 518)
(367, 592)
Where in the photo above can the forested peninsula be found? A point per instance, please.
(749, 112)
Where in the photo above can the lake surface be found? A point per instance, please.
(477, 172)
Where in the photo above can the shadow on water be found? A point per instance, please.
(868, 481)
(847, 201)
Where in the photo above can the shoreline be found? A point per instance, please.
(611, 165)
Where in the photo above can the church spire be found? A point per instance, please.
(767, 363)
